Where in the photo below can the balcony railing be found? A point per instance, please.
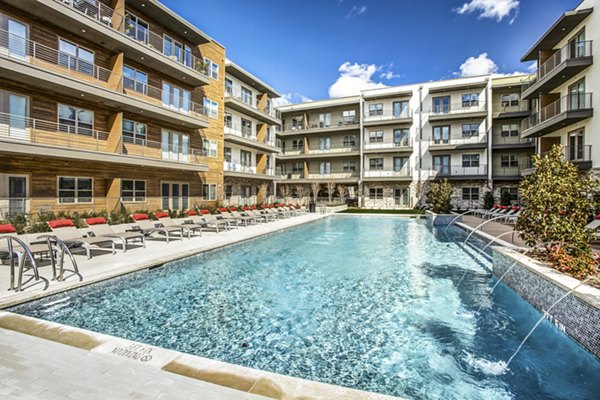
(578, 153)
(498, 139)
(293, 151)
(247, 133)
(510, 107)
(458, 141)
(332, 174)
(571, 51)
(459, 108)
(19, 129)
(22, 49)
(385, 115)
(570, 102)
(459, 170)
(329, 150)
(123, 24)
(237, 166)
(404, 172)
(309, 125)
(405, 143)
(249, 100)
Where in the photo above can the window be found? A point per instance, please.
(509, 160)
(349, 141)
(228, 87)
(577, 46)
(209, 191)
(212, 108)
(470, 130)
(512, 191)
(349, 166)
(297, 123)
(325, 168)
(173, 49)
(376, 164)
(175, 145)
(375, 136)
(210, 147)
(400, 109)
(576, 146)
(375, 109)
(401, 165)
(175, 196)
(577, 96)
(295, 192)
(228, 192)
(470, 100)
(176, 98)
(509, 130)
(402, 197)
(74, 190)
(441, 105)
(212, 68)
(349, 117)
(401, 137)
(510, 100)
(470, 160)
(297, 168)
(136, 28)
(325, 120)
(75, 120)
(441, 134)
(297, 144)
(135, 80)
(376, 193)
(227, 154)
(134, 132)
(246, 192)
(133, 190)
(441, 164)
(246, 96)
(470, 193)
(228, 120)
(75, 57)
(245, 158)
(188, 57)
(325, 144)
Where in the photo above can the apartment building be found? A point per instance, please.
(250, 143)
(565, 87)
(107, 105)
(320, 144)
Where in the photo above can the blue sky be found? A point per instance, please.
(315, 49)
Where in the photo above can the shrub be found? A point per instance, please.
(439, 195)
(488, 200)
(505, 198)
(557, 203)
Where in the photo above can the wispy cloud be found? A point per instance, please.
(339, 2)
(495, 9)
(354, 78)
(290, 98)
(484, 65)
(355, 11)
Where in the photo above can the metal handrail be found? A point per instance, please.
(569, 102)
(251, 101)
(387, 114)
(459, 140)
(459, 108)
(21, 254)
(388, 145)
(308, 125)
(459, 170)
(388, 172)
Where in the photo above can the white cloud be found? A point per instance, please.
(355, 11)
(354, 78)
(290, 98)
(495, 9)
(483, 65)
(532, 67)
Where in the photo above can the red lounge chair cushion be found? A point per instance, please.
(7, 228)
(61, 223)
(191, 213)
(598, 216)
(515, 208)
(222, 209)
(95, 221)
(253, 207)
(245, 208)
(204, 212)
(139, 217)
(161, 214)
(232, 209)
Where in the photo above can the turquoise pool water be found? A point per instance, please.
(369, 303)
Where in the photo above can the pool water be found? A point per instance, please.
(378, 304)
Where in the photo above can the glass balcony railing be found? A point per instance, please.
(570, 102)
(385, 115)
(247, 133)
(400, 144)
(326, 124)
(459, 108)
(458, 141)
(402, 172)
(459, 170)
(141, 34)
(248, 99)
(231, 165)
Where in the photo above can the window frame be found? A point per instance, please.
(134, 198)
(75, 190)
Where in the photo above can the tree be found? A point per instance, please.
(438, 197)
(505, 198)
(315, 186)
(330, 189)
(263, 193)
(285, 192)
(303, 192)
(488, 200)
(343, 193)
(557, 203)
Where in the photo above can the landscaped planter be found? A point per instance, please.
(434, 219)
(578, 314)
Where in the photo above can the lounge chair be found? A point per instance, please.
(595, 224)
(165, 220)
(148, 227)
(99, 227)
(213, 222)
(67, 232)
(243, 218)
(229, 217)
(262, 217)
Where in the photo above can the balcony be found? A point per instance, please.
(400, 174)
(44, 138)
(300, 128)
(101, 24)
(340, 176)
(565, 111)
(458, 143)
(318, 152)
(244, 136)
(457, 172)
(465, 110)
(511, 110)
(559, 68)
(404, 145)
(23, 60)
(387, 117)
(580, 156)
(508, 173)
(512, 142)
(247, 105)
(235, 168)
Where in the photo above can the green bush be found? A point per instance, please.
(488, 200)
(438, 197)
(505, 198)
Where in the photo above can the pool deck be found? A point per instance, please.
(506, 234)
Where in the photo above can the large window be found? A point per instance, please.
(470, 160)
(209, 191)
(576, 146)
(75, 190)
(134, 132)
(509, 130)
(176, 98)
(175, 145)
(228, 192)
(470, 193)
(441, 164)
(470, 130)
(325, 143)
(212, 68)
(441, 134)
(227, 154)
(349, 117)
(325, 168)
(172, 49)
(325, 120)
(401, 137)
(133, 190)
(210, 147)
(470, 100)
(509, 160)
(400, 109)
(349, 166)
(228, 86)
(510, 100)
(135, 79)
(246, 128)
(75, 120)
(349, 141)
(402, 197)
(245, 158)
(212, 108)
(376, 164)
(228, 120)
(297, 168)
(75, 57)
(297, 144)
(441, 105)
(513, 192)
(376, 136)
(375, 109)
(401, 165)
(136, 28)
(376, 193)
(247, 96)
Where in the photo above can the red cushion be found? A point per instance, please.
(60, 223)
(139, 217)
(204, 212)
(515, 208)
(253, 207)
(161, 214)
(7, 228)
(245, 208)
(222, 209)
(232, 209)
(95, 221)
(191, 212)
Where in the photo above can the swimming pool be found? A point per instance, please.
(378, 304)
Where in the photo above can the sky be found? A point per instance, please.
(318, 49)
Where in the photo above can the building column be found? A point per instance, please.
(115, 133)
(113, 195)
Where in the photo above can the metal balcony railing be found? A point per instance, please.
(247, 133)
(578, 153)
(249, 99)
(457, 141)
(127, 26)
(332, 174)
(334, 123)
(293, 151)
(22, 49)
(403, 172)
(404, 143)
(459, 108)
(510, 106)
(570, 102)
(570, 51)
(459, 170)
(332, 149)
(384, 115)
(237, 166)
(499, 139)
